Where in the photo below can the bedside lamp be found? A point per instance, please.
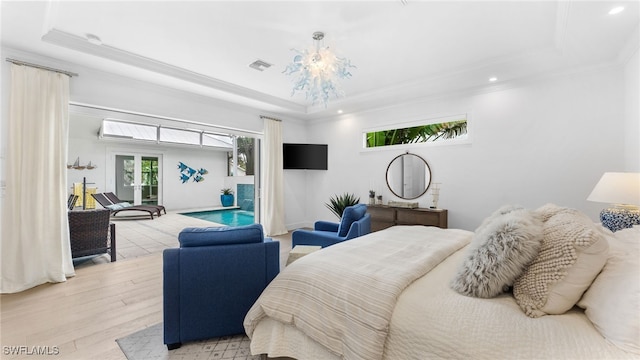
(622, 190)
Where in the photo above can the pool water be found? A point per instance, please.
(230, 217)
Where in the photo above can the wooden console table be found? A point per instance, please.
(383, 216)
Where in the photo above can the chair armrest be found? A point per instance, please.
(326, 226)
(360, 227)
(317, 238)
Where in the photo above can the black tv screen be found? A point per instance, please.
(305, 156)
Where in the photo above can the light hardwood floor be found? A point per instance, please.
(82, 317)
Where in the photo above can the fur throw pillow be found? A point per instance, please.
(505, 209)
(499, 253)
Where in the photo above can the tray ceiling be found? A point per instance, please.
(402, 49)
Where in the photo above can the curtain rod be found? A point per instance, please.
(269, 118)
(19, 62)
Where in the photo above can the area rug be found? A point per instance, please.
(147, 344)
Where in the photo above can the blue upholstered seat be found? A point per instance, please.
(212, 280)
(355, 222)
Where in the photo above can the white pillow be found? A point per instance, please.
(612, 303)
(500, 251)
(572, 254)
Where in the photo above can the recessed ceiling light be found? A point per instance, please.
(492, 79)
(94, 39)
(616, 10)
(340, 111)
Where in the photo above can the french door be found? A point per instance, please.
(136, 177)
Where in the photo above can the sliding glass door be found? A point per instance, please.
(136, 178)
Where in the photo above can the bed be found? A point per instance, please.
(337, 303)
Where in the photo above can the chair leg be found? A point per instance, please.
(173, 346)
(112, 228)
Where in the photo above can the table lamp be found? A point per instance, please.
(623, 191)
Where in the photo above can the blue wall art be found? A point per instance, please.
(187, 173)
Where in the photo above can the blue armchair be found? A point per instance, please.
(213, 278)
(355, 222)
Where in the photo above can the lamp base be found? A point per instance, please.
(618, 218)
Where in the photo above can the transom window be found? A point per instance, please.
(240, 161)
(120, 129)
(439, 130)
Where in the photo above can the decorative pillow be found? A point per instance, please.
(546, 211)
(612, 302)
(505, 209)
(349, 216)
(124, 204)
(572, 254)
(500, 251)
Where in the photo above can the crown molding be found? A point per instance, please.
(74, 42)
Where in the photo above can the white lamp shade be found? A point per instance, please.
(617, 188)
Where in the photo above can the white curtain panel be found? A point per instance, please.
(35, 248)
(273, 194)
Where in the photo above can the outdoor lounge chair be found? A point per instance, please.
(114, 199)
(116, 208)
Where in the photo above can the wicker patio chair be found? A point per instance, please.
(91, 233)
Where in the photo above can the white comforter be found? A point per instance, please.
(344, 299)
(431, 321)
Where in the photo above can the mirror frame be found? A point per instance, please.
(427, 169)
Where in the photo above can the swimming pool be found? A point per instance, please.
(230, 217)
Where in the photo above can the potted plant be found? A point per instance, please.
(338, 203)
(226, 198)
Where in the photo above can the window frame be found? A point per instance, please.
(421, 122)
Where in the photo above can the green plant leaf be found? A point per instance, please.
(338, 203)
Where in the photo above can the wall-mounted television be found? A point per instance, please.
(305, 156)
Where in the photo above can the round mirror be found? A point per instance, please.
(408, 176)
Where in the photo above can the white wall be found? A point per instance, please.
(296, 187)
(84, 143)
(108, 90)
(632, 114)
(193, 194)
(546, 141)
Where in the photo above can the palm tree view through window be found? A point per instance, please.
(441, 131)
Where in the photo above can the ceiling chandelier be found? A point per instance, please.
(318, 72)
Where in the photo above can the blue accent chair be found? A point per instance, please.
(355, 222)
(213, 278)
